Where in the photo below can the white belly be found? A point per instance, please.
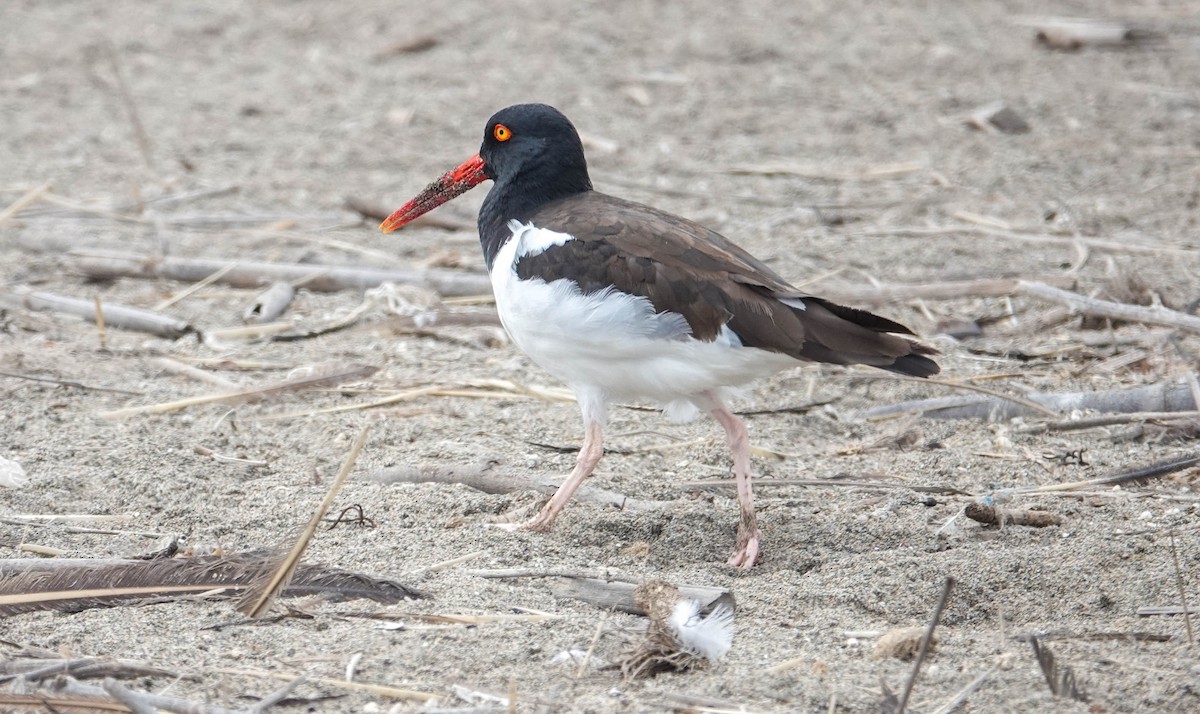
(611, 342)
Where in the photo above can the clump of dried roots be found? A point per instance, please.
(678, 637)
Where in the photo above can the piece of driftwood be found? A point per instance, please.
(29, 198)
(950, 290)
(36, 669)
(1041, 239)
(270, 303)
(425, 323)
(882, 171)
(69, 383)
(486, 476)
(124, 317)
(1169, 610)
(1154, 315)
(1171, 421)
(997, 516)
(176, 367)
(27, 585)
(106, 265)
(1071, 35)
(316, 378)
(142, 203)
(150, 702)
(881, 485)
(1155, 470)
(1170, 396)
(68, 694)
(379, 690)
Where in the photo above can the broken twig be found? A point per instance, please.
(260, 596)
(103, 265)
(128, 318)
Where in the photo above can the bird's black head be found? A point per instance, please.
(532, 153)
(534, 149)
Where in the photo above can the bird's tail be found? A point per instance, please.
(846, 335)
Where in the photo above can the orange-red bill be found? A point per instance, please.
(450, 185)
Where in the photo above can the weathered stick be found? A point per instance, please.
(270, 303)
(1097, 244)
(314, 381)
(1156, 315)
(1174, 396)
(27, 199)
(1187, 615)
(34, 670)
(104, 265)
(401, 324)
(128, 318)
(485, 477)
(1069, 34)
(828, 483)
(175, 367)
(69, 383)
(1155, 470)
(159, 201)
(1001, 287)
(33, 584)
(1105, 420)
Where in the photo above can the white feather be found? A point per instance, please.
(12, 474)
(709, 636)
(612, 344)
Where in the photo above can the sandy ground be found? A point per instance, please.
(301, 104)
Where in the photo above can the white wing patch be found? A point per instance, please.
(531, 240)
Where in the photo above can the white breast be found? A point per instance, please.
(612, 342)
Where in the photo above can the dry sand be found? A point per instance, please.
(299, 105)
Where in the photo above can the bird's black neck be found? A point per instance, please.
(519, 197)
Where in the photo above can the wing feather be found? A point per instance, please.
(685, 268)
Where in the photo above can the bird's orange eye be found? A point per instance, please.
(502, 133)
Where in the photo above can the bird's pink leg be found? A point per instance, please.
(748, 535)
(585, 464)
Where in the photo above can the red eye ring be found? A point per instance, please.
(501, 133)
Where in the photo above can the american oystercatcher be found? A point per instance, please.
(623, 302)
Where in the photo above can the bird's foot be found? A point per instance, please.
(746, 554)
(514, 521)
(531, 525)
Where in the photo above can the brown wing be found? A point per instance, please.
(685, 268)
